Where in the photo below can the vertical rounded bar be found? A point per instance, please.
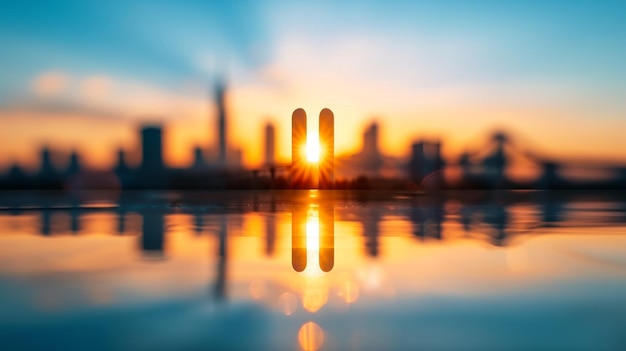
(327, 236)
(298, 173)
(327, 145)
(298, 238)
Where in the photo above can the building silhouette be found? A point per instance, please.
(15, 178)
(152, 172)
(270, 144)
(48, 177)
(426, 163)
(198, 158)
(417, 164)
(46, 167)
(495, 163)
(368, 162)
(221, 123)
(485, 167)
(152, 148)
(370, 141)
(74, 164)
(122, 171)
(121, 166)
(370, 156)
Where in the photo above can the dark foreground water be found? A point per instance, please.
(313, 270)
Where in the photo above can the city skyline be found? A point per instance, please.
(313, 164)
(434, 71)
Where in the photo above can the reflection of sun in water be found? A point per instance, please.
(315, 292)
(313, 241)
(310, 336)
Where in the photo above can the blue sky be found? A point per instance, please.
(149, 40)
(424, 68)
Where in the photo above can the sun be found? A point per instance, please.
(313, 151)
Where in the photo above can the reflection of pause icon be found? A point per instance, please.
(313, 237)
(304, 174)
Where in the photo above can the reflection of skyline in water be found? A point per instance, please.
(313, 221)
(494, 221)
(378, 251)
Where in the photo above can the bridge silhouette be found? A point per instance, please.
(490, 162)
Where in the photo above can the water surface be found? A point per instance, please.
(313, 270)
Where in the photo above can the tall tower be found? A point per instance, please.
(152, 173)
(221, 121)
(121, 165)
(151, 148)
(270, 144)
(46, 168)
(417, 163)
(370, 141)
(74, 166)
(198, 157)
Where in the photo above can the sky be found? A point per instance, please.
(85, 75)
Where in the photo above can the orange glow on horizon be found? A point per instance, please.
(21, 141)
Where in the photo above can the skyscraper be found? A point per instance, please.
(46, 167)
(426, 164)
(417, 164)
(74, 165)
(370, 157)
(221, 122)
(121, 165)
(152, 173)
(198, 157)
(151, 149)
(270, 144)
(370, 141)
(48, 177)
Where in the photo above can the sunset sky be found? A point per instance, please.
(86, 74)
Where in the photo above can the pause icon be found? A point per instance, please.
(307, 173)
